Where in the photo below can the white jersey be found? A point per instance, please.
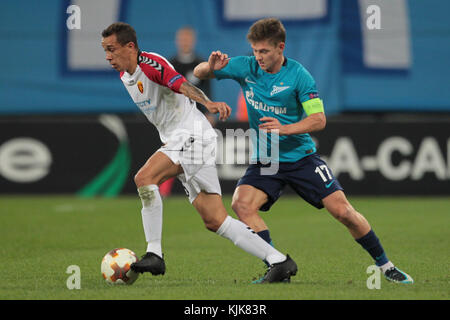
(154, 88)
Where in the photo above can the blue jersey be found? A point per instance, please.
(280, 96)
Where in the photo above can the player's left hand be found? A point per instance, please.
(272, 124)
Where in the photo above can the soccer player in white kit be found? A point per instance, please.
(168, 101)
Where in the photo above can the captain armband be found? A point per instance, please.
(313, 106)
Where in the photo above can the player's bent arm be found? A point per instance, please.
(313, 122)
(216, 61)
(194, 93)
(203, 71)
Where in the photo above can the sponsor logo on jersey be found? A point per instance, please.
(259, 105)
(142, 104)
(313, 95)
(140, 86)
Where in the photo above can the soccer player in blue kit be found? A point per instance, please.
(282, 99)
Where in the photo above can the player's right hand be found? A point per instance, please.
(219, 107)
(217, 60)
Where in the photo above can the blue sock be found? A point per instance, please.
(372, 244)
(265, 234)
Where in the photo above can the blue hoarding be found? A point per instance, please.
(365, 55)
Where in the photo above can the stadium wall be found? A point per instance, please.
(56, 66)
(98, 155)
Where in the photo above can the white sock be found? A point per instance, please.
(388, 265)
(245, 238)
(152, 217)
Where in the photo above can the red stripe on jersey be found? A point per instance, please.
(159, 70)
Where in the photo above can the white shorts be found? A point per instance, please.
(197, 158)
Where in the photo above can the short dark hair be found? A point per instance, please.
(267, 29)
(124, 33)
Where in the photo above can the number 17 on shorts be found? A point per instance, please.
(325, 174)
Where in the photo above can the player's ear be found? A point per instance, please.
(281, 45)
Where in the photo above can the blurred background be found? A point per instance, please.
(68, 125)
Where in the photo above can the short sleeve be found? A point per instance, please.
(306, 86)
(237, 68)
(307, 93)
(158, 70)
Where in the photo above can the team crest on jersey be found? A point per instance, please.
(140, 86)
(276, 89)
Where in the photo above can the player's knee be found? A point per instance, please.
(138, 180)
(343, 213)
(243, 209)
(141, 179)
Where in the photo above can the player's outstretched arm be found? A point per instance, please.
(216, 61)
(194, 93)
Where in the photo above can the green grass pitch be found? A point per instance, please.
(41, 236)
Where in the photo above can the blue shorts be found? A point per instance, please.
(310, 178)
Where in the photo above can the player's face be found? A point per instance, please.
(269, 56)
(117, 55)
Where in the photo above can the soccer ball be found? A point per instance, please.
(116, 264)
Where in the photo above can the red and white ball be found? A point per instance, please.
(116, 264)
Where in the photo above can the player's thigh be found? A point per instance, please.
(247, 198)
(335, 200)
(211, 209)
(312, 179)
(156, 170)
